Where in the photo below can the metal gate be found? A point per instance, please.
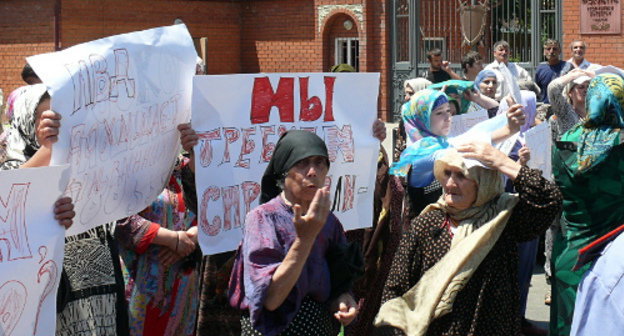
(420, 25)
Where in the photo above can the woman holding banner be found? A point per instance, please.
(284, 282)
(90, 298)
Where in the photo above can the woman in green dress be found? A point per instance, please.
(588, 165)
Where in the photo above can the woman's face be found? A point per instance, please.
(578, 93)
(488, 86)
(440, 120)
(409, 92)
(460, 192)
(306, 177)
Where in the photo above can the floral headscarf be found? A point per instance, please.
(416, 116)
(22, 142)
(601, 127)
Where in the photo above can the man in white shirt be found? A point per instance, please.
(518, 73)
(577, 61)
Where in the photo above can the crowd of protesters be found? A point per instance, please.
(455, 231)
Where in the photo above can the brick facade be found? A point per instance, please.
(26, 28)
(603, 49)
(243, 36)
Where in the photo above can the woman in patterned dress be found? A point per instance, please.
(161, 264)
(455, 271)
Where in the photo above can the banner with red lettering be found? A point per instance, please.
(121, 98)
(240, 118)
(31, 249)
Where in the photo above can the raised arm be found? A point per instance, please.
(540, 199)
(308, 227)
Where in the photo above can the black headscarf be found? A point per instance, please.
(291, 148)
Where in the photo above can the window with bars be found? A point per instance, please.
(348, 52)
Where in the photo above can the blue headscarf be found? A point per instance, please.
(483, 74)
(416, 116)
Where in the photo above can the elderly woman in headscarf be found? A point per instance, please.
(281, 276)
(588, 166)
(455, 271)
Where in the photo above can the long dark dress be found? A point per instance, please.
(488, 305)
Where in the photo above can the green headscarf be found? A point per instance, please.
(342, 68)
(456, 86)
(291, 148)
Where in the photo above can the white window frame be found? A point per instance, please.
(338, 50)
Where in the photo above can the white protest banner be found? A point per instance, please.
(31, 253)
(121, 99)
(463, 122)
(240, 118)
(539, 141)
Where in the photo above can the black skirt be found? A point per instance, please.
(313, 319)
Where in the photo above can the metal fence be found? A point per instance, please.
(420, 25)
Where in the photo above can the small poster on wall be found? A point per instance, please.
(600, 17)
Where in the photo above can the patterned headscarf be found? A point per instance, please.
(483, 74)
(416, 115)
(22, 142)
(601, 127)
(455, 86)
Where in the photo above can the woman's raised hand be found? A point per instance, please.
(188, 137)
(309, 225)
(515, 118)
(524, 155)
(48, 128)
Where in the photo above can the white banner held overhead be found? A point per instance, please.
(240, 118)
(539, 141)
(121, 99)
(31, 253)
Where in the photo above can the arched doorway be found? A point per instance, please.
(341, 42)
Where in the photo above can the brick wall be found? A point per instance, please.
(603, 49)
(284, 36)
(219, 21)
(246, 36)
(26, 29)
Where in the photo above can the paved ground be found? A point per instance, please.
(537, 311)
